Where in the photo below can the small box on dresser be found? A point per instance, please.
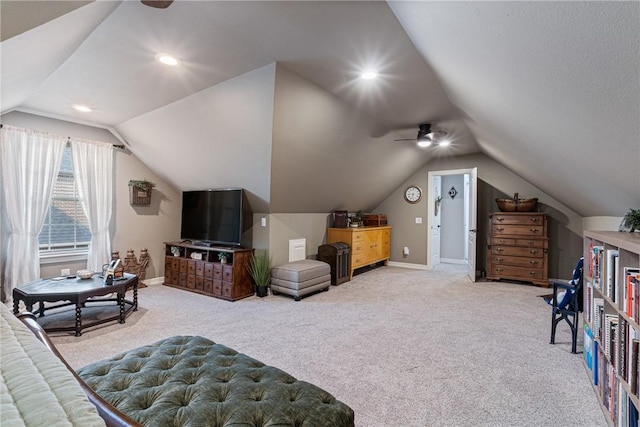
(517, 247)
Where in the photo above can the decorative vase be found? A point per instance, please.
(262, 291)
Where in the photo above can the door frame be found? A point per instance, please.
(431, 209)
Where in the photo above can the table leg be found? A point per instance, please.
(121, 304)
(78, 319)
(41, 308)
(135, 297)
(16, 304)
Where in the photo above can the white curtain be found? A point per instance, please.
(30, 163)
(93, 171)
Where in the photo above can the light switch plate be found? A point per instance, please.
(418, 220)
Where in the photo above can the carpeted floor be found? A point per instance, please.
(401, 347)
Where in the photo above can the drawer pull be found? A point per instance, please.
(532, 273)
(534, 230)
(501, 240)
(532, 262)
(499, 249)
(534, 219)
(500, 218)
(529, 242)
(500, 228)
(533, 251)
(499, 259)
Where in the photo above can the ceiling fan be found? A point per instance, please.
(427, 136)
(158, 4)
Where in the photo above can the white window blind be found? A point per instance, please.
(65, 227)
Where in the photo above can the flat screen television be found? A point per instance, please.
(215, 217)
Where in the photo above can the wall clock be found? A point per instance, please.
(413, 194)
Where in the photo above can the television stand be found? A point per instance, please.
(197, 268)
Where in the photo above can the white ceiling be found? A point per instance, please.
(548, 89)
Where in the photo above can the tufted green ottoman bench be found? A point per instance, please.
(192, 381)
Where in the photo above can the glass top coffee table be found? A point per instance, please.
(78, 292)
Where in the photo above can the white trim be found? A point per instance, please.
(407, 265)
(55, 258)
(154, 282)
(452, 261)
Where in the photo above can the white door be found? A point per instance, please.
(435, 225)
(472, 221)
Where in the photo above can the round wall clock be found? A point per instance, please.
(413, 194)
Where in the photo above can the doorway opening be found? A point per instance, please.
(451, 219)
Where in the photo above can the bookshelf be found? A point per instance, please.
(611, 322)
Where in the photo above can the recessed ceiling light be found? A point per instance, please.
(166, 59)
(82, 108)
(369, 75)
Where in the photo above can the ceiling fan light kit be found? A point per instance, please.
(426, 136)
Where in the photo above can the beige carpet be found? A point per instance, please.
(401, 347)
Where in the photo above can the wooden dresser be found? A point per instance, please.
(518, 247)
(369, 245)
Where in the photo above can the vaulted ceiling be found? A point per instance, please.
(548, 89)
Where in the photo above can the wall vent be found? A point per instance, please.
(297, 249)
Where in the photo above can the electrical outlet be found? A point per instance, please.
(263, 222)
(418, 220)
(405, 251)
(65, 272)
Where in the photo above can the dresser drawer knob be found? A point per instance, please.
(499, 249)
(529, 242)
(533, 262)
(534, 230)
(534, 219)
(502, 240)
(500, 228)
(499, 259)
(500, 218)
(532, 273)
(499, 270)
(533, 251)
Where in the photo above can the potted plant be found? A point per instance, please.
(631, 220)
(140, 192)
(222, 256)
(260, 270)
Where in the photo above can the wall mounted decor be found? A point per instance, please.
(453, 192)
(140, 192)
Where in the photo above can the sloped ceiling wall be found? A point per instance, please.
(549, 89)
(326, 155)
(217, 138)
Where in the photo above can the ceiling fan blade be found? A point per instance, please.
(158, 4)
(405, 139)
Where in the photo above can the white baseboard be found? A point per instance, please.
(154, 281)
(452, 261)
(407, 265)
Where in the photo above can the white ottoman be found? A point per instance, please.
(300, 278)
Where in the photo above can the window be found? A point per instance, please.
(66, 229)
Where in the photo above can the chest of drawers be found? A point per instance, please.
(368, 245)
(517, 247)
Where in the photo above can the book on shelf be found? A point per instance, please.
(623, 346)
(598, 317)
(631, 294)
(588, 306)
(588, 347)
(595, 264)
(610, 337)
(609, 274)
(633, 367)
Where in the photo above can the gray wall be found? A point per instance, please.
(494, 180)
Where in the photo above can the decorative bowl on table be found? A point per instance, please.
(84, 274)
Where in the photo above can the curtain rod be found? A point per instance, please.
(116, 146)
